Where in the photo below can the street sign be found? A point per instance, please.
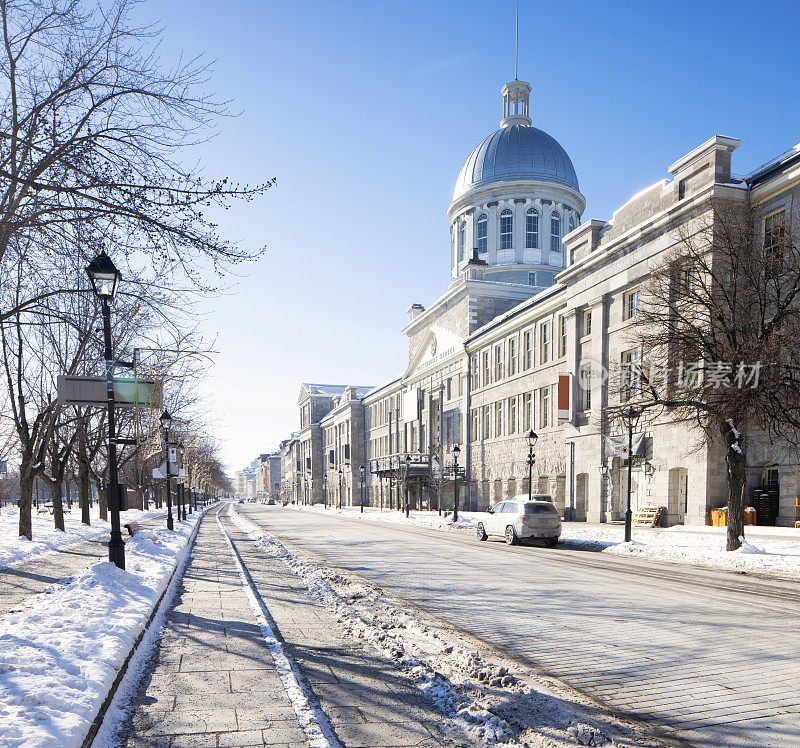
(161, 471)
(128, 392)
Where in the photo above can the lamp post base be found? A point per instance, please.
(116, 549)
(628, 525)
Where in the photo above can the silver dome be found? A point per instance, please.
(513, 153)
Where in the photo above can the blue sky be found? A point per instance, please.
(365, 112)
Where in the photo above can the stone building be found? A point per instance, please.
(532, 325)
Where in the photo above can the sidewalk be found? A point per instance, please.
(214, 682)
(20, 582)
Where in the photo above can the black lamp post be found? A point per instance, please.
(185, 502)
(361, 471)
(456, 454)
(603, 488)
(339, 500)
(630, 417)
(166, 421)
(531, 438)
(408, 471)
(105, 279)
(325, 489)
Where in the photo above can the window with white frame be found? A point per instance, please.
(545, 407)
(587, 322)
(555, 231)
(506, 230)
(532, 229)
(482, 233)
(586, 386)
(527, 411)
(462, 241)
(630, 303)
(512, 356)
(512, 415)
(630, 374)
(486, 432)
(545, 342)
(498, 362)
(498, 418)
(527, 349)
(475, 424)
(562, 336)
(487, 372)
(774, 242)
(475, 378)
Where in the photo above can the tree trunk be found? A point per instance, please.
(736, 464)
(56, 490)
(25, 501)
(101, 501)
(83, 493)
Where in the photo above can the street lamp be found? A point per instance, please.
(339, 499)
(630, 417)
(456, 454)
(166, 422)
(361, 473)
(408, 469)
(531, 438)
(325, 489)
(105, 278)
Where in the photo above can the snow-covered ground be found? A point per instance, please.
(697, 545)
(60, 654)
(490, 701)
(15, 550)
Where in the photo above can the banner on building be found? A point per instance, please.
(410, 405)
(618, 445)
(564, 398)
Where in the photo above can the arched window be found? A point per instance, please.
(482, 233)
(462, 240)
(506, 230)
(555, 232)
(532, 229)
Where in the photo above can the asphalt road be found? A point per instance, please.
(713, 658)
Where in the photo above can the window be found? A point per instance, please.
(512, 357)
(545, 347)
(487, 372)
(562, 336)
(486, 417)
(498, 418)
(475, 373)
(482, 233)
(630, 374)
(527, 349)
(498, 363)
(544, 407)
(512, 415)
(527, 411)
(555, 232)
(587, 322)
(506, 230)
(586, 386)
(774, 231)
(531, 279)
(449, 388)
(630, 304)
(462, 240)
(475, 424)
(532, 229)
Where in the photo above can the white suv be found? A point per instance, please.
(522, 519)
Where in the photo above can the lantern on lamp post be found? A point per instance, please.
(166, 422)
(531, 438)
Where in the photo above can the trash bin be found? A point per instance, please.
(749, 515)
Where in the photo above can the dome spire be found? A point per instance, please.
(516, 96)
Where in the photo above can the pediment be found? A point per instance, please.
(438, 346)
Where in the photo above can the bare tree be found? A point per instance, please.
(719, 323)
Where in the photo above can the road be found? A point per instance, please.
(711, 657)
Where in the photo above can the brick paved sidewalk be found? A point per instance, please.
(212, 681)
(19, 583)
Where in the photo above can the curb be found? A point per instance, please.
(180, 565)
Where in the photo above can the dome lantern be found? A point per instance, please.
(516, 102)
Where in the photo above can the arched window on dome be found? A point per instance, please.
(532, 229)
(462, 240)
(555, 231)
(506, 230)
(482, 233)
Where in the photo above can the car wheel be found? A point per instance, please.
(481, 532)
(551, 542)
(511, 535)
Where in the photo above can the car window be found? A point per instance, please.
(540, 509)
(497, 508)
(511, 507)
(543, 497)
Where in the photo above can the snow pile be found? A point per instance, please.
(60, 654)
(492, 704)
(311, 720)
(430, 520)
(15, 550)
(699, 546)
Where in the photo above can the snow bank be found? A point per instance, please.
(15, 550)
(60, 654)
(420, 519)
